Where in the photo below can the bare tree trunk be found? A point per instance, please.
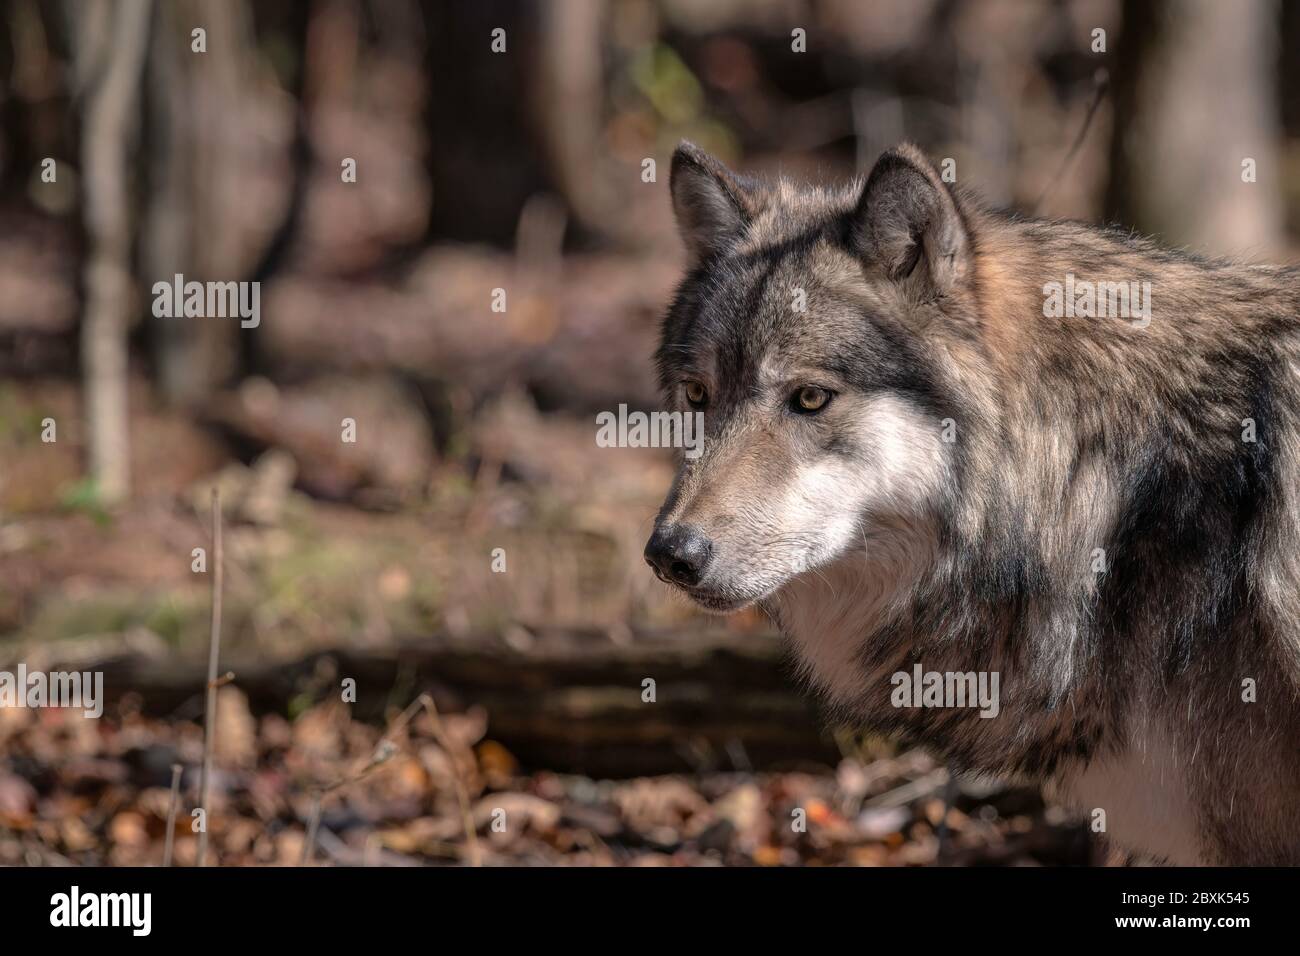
(569, 99)
(110, 51)
(168, 238)
(206, 116)
(220, 129)
(1197, 98)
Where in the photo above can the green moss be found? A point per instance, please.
(176, 618)
(84, 497)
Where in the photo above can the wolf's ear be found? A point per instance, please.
(907, 220)
(712, 204)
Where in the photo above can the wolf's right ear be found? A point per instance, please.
(712, 204)
(906, 220)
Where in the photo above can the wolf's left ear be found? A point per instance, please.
(713, 205)
(907, 220)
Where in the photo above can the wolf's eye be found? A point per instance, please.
(810, 399)
(696, 393)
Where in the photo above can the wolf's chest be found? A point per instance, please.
(1137, 799)
(830, 615)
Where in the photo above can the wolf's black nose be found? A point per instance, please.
(678, 553)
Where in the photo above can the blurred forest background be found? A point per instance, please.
(477, 170)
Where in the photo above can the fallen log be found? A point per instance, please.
(580, 340)
(570, 702)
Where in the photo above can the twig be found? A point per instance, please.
(467, 819)
(383, 752)
(921, 787)
(214, 653)
(951, 790)
(172, 808)
(402, 720)
(1100, 82)
(313, 822)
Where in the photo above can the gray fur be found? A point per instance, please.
(876, 544)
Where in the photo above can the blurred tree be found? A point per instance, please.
(1196, 96)
(211, 128)
(111, 40)
(570, 103)
(169, 209)
(484, 161)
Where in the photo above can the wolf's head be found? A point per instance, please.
(811, 330)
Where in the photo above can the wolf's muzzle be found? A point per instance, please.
(678, 554)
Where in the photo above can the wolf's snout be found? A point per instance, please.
(678, 554)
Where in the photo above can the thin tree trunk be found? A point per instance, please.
(1196, 97)
(168, 228)
(113, 49)
(569, 99)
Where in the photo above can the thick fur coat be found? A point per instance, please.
(912, 457)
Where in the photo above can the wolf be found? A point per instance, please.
(912, 464)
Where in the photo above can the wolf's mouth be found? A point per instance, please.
(713, 599)
(719, 603)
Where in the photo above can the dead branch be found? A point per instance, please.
(172, 807)
(214, 654)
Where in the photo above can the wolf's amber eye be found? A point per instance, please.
(810, 398)
(696, 393)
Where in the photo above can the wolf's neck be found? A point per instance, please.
(1021, 266)
(831, 615)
